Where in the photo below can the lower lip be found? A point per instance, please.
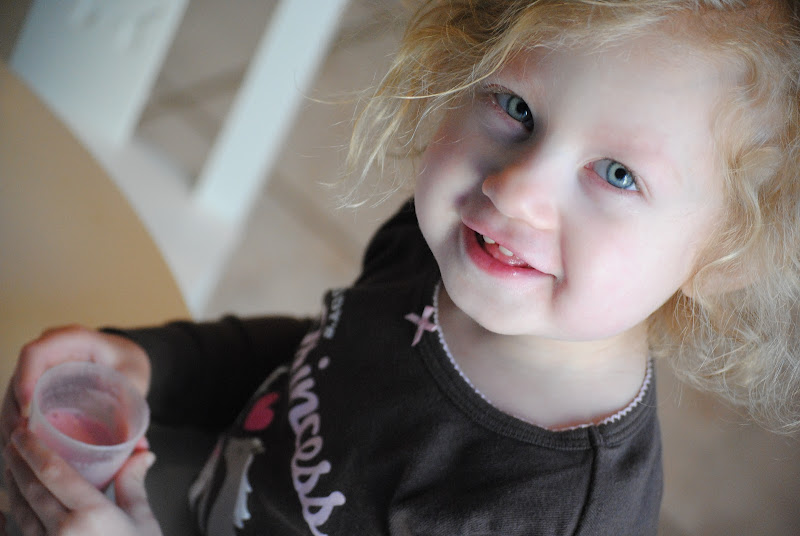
(483, 260)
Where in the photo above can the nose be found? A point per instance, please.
(527, 190)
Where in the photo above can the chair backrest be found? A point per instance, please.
(95, 61)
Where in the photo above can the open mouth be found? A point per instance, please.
(500, 253)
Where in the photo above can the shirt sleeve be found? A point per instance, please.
(204, 373)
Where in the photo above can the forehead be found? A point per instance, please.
(653, 77)
(656, 61)
(650, 100)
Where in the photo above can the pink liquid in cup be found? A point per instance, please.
(86, 429)
(90, 415)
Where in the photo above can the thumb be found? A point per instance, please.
(130, 491)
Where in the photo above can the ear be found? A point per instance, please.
(715, 280)
(688, 288)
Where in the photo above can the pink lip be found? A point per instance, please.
(497, 267)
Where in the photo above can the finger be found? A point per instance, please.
(142, 444)
(26, 519)
(9, 416)
(130, 489)
(53, 347)
(61, 480)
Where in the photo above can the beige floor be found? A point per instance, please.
(722, 477)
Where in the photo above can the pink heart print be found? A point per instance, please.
(261, 414)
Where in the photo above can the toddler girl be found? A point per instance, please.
(600, 184)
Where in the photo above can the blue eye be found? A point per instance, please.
(516, 108)
(615, 174)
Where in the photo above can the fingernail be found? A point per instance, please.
(150, 459)
(16, 436)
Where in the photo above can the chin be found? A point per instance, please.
(514, 324)
(495, 322)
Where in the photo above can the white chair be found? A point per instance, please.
(95, 61)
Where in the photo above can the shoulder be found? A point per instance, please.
(397, 249)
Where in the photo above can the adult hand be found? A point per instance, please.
(59, 345)
(48, 497)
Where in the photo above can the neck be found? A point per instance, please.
(553, 384)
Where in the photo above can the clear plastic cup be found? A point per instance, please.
(91, 415)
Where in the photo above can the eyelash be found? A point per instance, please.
(502, 97)
(634, 178)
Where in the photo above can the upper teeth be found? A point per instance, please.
(505, 251)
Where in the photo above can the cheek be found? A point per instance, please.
(435, 198)
(435, 167)
(453, 156)
(625, 280)
(427, 195)
(446, 179)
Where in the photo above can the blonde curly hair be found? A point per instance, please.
(738, 334)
